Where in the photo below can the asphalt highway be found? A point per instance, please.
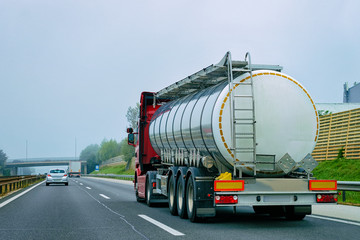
(91, 208)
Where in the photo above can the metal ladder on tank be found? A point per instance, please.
(243, 121)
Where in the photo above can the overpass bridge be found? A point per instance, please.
(14, 164)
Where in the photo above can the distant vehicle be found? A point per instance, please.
(74, 168)
(57, 175)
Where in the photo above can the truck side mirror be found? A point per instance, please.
(129, 130)
(131, 139)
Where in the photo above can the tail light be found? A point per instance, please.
(326, 198)
(154, 184)
(65, 175)
(226, 199)
(49, 175)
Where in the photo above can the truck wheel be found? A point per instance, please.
(138, 199)
(259, 209)
(190, 203)
(172, 196)
(293, 215)
(148, 193)
(180, 200)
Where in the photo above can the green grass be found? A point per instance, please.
(341, 170)
(114, 169)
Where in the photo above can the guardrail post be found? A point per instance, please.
(344, 196)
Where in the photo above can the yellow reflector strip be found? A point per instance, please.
(228, 185)
(322, 185)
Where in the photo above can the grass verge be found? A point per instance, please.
(118, 168)
(342, 170)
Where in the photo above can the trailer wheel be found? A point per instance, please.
(259, 209)
(180, 200)
(190, 203)
(148, 193)
(293, 215)
(172, 196)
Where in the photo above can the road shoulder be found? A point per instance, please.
(351, 213)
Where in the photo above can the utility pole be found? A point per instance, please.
(75, 148)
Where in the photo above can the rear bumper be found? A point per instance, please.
(57, 180)
(275, 192)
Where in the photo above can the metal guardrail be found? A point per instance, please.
(9, 184)
(348, 186)
(124, 177)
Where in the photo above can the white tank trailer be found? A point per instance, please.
(277, 117)
(233, 134)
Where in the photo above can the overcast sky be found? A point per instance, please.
(70, 69)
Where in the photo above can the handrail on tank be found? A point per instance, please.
(247, 55)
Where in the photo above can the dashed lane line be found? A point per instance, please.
(161, 225)
(88, 188)
(104, 196)
(81, 184)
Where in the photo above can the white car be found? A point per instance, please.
(57, 175)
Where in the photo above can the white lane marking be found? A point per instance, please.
(335, 220)
(104, 196)
(81, 184)
(122, 217)
(160, 225)
(19, 195)
(88, 187)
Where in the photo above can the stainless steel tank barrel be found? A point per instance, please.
(286, 121)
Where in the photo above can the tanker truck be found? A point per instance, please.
(232, 134)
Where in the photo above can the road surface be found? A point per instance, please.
(92, 208)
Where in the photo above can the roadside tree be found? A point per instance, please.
(89, 154)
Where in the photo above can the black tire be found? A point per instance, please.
(172, 196)
(260, 210)
(138, 199)
(181, 198)
(190, 200)
(148, 195)
(47, 184)
(66, 184)
(291, 215)
(274, 211)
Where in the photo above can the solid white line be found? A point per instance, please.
(19, 195)
(335, 220)
(88, 187)
(160, 225)
(104, 196)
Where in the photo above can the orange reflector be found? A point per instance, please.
(229, 185)
(322, 185)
